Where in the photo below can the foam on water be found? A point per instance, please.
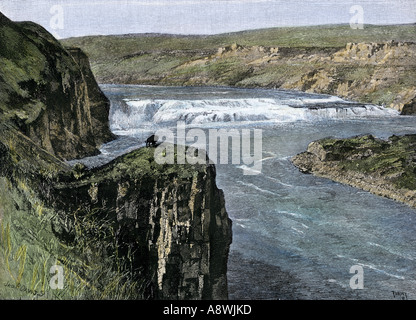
(250, 185)
(135, 113)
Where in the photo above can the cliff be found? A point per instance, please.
(383, 167)
(49, 93)
(374, 65)
(131, 229)
(171, 219)
(380, 73)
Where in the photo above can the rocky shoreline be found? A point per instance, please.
(383, 167)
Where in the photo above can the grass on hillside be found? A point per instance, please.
(105, 48)
(30, 240)
(29, 249)
(392, 159)
(190, 60)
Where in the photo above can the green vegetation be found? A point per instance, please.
(313, 59)
(139, 164)
(384, 167)
(19, 76)
(105, 48)
(35, 235)
(144, 59)
(394, 159)
(39, 79)
(41, 228)
(29, 248)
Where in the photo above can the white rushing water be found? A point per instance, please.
(130, 115)
(295, 236)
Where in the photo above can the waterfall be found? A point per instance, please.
(134, 114)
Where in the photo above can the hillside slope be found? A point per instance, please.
(374, 65)
(47, 93)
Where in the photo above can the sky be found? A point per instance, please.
(69, 18)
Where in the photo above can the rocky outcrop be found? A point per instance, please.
(175, 223)
(49, 93)
(407, 103)
(385, 168)
(378, 73)
(374, 53)
(190, 239)
(368, 72)
(132, 229)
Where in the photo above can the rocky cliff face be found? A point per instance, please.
(385, 168)
(132, 229)
(369, 72)
(49, 93)
(173, 220)
(190, 239)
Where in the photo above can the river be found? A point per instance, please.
(295, 236)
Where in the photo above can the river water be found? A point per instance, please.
(295, 236)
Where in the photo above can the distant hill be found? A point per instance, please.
(312, 36)
(380, 70)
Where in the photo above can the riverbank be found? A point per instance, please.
(383, 167)
(375, 65)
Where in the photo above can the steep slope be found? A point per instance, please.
(170, 219)
(48, 93)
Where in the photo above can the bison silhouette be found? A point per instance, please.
(151, 141)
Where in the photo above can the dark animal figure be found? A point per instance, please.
(151, 141)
